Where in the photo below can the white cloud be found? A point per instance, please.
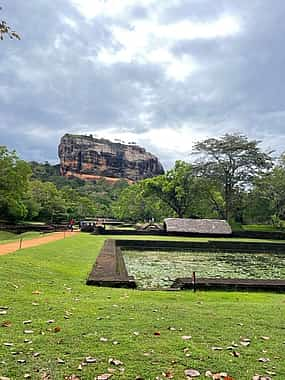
(150, 42)
(110, 8)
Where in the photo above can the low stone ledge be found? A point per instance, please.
(229, 284)
(110, 269)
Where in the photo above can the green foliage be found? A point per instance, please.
(5, 30)
(14, 179)
(177, 188)
(135, 205)
(233, 161)
(46, 202)
(50, 173)
(268, 197)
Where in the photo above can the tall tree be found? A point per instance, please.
(233, 161)
(14, 179)
(269, 191)
(177, 188)
(134, 205)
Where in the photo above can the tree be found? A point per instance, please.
(177, 188)
(269, 194)
(232, 161)
(48, 200)
(134, 205)
(5, 30)
(14, 179)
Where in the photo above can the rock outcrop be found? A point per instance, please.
(89, 158)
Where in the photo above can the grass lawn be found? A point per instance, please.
(143, 329)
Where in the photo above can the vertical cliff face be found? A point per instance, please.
(90, 158)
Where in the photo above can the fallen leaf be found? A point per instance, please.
(245, 344)
(21, 361)
(90, 360)
(264, 360)
(57, 329)
(115, 362)
(104, 376)
(192, 373)
(220, 376)
(6, 324)
(157, 333)
(168, 375)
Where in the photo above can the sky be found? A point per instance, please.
(162, 73)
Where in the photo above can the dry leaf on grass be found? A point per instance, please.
(192, 373)
(28, 331)
(115, 362)
(264, 360)
(6, 324)
(90, 360)
(104, 376)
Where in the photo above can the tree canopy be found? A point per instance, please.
(232, 161)
(177, 188)
(14, 182)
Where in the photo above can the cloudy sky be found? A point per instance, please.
(163, 73)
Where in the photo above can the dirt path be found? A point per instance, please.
(15, 245)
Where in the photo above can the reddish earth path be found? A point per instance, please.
(15, 245)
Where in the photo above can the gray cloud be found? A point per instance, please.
(52, 81)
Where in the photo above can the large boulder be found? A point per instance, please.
(90, 158)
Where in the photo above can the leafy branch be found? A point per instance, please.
(5, 29)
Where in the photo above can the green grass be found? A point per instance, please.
(8, 237)
(48, 283)
(261, 228)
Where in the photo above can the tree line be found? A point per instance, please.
(229, 177)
